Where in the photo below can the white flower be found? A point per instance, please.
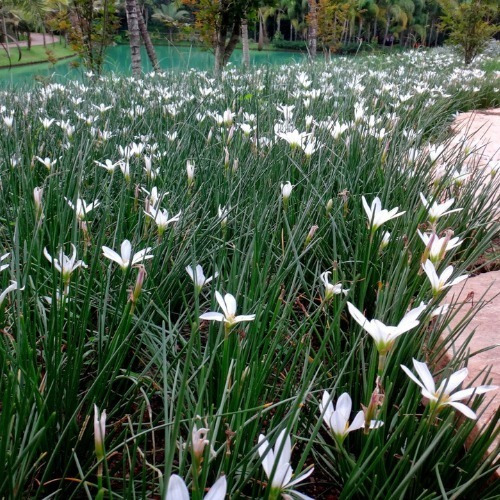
(47, 162)
(337, 419)
(228, 306)
(199, 441)
(177, 489)
(295, 138)
(441, 282)
(99, 432)
(161, 217)
(442, 396)
(125, 258)
(437, 210)
(109, 165)
(198, 277)
(331, 290)
(8, 120)
(46, 122)
(383, 335)
(82, 208)
(438, 247)
(65, 264)
(278, 460)
(376, 215)
(223, 213)
(287, 112)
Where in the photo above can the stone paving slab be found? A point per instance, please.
(484, 288)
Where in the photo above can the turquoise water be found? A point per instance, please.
(118, 60)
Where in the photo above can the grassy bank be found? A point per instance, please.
(37, 54)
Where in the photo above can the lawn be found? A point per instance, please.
(37, 54)
(241, 283)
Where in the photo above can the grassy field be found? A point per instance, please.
(37, 54)
(316, 198)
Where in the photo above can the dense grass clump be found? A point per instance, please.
(263, 176)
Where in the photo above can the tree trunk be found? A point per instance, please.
(313, 28)
(387, 25)
(360, 29)
(244, 39)
(291, 31)
(278, 23)
(147, 39)
(261, 31)
(134, 36)
(28, 34)
(375, 30)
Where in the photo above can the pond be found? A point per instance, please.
(118, 60)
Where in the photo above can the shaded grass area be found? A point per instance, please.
(37, 54)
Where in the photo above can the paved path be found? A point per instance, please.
(482, 129)
(36, 39)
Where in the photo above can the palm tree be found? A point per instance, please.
(134, 36)
(171, 14)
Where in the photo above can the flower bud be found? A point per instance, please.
(138, 284)
(190, 172)
(99, 432)
(329, 206)
(310, 234)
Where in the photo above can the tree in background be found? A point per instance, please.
(470, 25)
(332, 16)
(92, 26)
(219, 24)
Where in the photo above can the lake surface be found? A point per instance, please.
(118, 60)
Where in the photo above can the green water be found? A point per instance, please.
(118, 60)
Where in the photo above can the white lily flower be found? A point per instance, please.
(441, 282)
(198, 277)
(330, 289)
(125, 258)
(177, 489)
(442, 396)
(295, 138)
(383, 335)
(437, 246)
(228, 306)
(47, 162)
(199, 441)
(64, 264)
(46, 122)
(378, 216)
(437, 210)
(109, 165)
(82, 208)
(161, 217)
(278, 459)
(337, 419)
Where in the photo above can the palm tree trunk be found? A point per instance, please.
(244, 39)
(150, 50)
(134, 36)
(313, 28)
